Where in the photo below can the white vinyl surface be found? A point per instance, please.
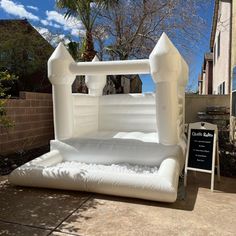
(104, 144)
(130, 164)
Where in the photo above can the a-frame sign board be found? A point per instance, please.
(202, 150)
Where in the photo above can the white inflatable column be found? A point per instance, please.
(182, 82)
(165, 65)
(61, 79)
(95, 83)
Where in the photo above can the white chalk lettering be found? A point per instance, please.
(207, 135)
(196, 134)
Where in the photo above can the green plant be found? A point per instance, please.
(85, 11)
(6, 81)
(76, 50)
(24, 53)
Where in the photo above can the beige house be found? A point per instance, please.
(221, 46)
(233, 74)
(205, 78)
(127, 84)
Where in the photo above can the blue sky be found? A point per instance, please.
(45, 17)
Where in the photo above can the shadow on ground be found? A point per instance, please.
(29, 211)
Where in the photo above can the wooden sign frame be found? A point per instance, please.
(201, 126)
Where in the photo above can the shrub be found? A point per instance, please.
(6, 81)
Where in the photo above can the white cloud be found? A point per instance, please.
(46, 23)
(33, 8)
(63, 38)
(17, 10)
(78, 32)
(41, 30)
(53, 39)
(57, 17)
(72, 24)
(45, 33)
(55, 25)
(93, 4)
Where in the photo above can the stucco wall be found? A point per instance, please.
(221, 66)
(209, 67)
(204, 83)
(233, 55)
(233, 64)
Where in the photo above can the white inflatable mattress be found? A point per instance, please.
(130, 164)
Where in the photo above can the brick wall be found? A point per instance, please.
(32, 114)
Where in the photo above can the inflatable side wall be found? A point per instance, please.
(77, 114)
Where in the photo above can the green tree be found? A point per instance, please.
(6, 81)
(87, 11)
(23, 51)
(76, 50)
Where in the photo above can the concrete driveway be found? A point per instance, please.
(198, 211)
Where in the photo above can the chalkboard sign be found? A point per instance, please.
(201, 149)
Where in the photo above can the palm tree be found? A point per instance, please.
(76, 50)
(84, 10)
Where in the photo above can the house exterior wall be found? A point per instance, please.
(135, 85)
(125, 83)
(205, 79)
(128, 83)
(221, 48)
(233, 64)
(109, 87)
(200, 84)
(209, 74)
(204, 83)
(233, 43)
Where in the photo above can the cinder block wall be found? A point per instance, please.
(32, 114)
(195, 103)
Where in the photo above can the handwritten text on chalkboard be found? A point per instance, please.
(201, 148)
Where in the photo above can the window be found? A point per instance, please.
(234, 93)
(218, 46)
(30, 56)
(221, 88)
(234, 103)
(4, 55)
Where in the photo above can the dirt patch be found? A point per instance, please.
(10, 162)
(228, 160)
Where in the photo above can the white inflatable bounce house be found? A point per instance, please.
(130, 145)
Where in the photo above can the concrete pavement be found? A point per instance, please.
(33, 211)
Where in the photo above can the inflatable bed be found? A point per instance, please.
(130, 145)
